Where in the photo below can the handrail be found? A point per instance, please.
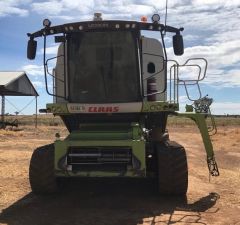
(50, 74)
(189, 82)
(205, 67)
(46, 71)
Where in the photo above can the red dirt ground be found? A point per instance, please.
(122, 202)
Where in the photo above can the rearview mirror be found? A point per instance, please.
(31, 49)
(178, 44)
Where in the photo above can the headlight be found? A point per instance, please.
(155, 18)
(46, 23)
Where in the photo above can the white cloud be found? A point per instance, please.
(13, 7)
(214, 26)
(115, 9)
(38, 84)
(225, 108)
(50, 7)
(66, 18)
(234, 76)
(223, 3)
(33, 70)
(183, 99)
(58, 7)
(217, 108)
(191, 37)
(50, 50)
(219, 55)
(211, 27)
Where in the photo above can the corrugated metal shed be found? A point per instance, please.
(16, 84)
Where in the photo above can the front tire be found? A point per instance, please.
(41, 171)
(172, 168)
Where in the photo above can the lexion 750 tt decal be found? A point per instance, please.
(105, 108)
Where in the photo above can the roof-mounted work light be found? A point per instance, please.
(155, 18)
(97, 16)
(46, 23)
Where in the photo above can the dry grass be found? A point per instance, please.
(50, 120)
(109, 207)
(220, 121)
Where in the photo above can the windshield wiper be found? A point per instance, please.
(104, 83)
(110, 72)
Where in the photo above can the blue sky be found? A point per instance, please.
(211, 30)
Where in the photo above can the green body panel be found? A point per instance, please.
(159, 106)
(189, 108)
(200, 120)
(107, 131)
(103, 136)
(99, 174)
(57, 108)
(126, 135)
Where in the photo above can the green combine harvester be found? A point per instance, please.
(114, 90)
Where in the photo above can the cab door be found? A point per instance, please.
(153, 66)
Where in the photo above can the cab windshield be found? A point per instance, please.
(103, 67)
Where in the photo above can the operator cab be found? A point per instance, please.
(105, 68)
(109, 61)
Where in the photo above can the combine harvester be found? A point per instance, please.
(114, 90)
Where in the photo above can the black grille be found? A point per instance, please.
(99, 156)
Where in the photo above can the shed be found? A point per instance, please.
(15, 83)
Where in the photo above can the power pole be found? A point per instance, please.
(3, 111)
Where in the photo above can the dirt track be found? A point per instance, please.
(123, 202)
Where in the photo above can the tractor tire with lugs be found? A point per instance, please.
(41, 171)
(172, 168)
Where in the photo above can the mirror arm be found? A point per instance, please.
(173, 29)
(36, 34)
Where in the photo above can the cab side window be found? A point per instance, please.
(151, 67)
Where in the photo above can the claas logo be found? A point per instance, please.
(102, 109)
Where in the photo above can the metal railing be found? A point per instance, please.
(174, 78)
(200, 104)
